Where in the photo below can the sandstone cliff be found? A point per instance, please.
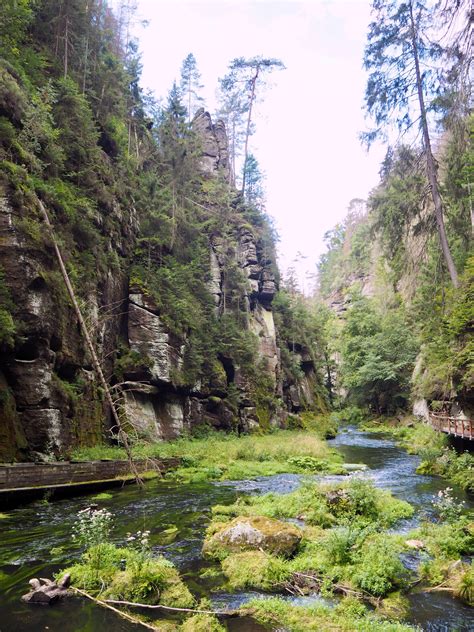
(50, 401)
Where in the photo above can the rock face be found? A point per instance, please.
(253, 534)
(150, 338)
(39, 414)
(214, 144)
(50, 399)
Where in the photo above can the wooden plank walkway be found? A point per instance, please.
(453, 425)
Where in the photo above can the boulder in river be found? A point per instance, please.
(255, 533)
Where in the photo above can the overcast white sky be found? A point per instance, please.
(307, 127)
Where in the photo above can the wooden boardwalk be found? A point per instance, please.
(453, 425)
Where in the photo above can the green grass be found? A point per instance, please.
(255, 569)
(221, 457)
(354, 501)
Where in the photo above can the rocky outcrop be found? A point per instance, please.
(153, 415)
(52, 401)
(214, 144)
(150, 338)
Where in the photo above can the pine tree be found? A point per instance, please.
(232, 110)
(245, 76)
(190, 85)
(404, 79)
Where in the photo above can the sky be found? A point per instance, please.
(310, 118)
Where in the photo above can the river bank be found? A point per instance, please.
(178, 515)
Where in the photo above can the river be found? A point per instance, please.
(35, 540)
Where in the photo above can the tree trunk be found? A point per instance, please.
(249, 120)
(232, 175)
(430, 161)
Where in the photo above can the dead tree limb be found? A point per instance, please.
(159, 606)
(122, 614)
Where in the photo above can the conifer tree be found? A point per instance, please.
(403, 83)
(246, 76)
(253, 176)
(232, 110)
(190, 85)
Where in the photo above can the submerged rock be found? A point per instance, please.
(253, 534)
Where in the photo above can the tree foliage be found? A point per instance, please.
(245, 76)
(404, 81)
(190, 85)
(378, 353)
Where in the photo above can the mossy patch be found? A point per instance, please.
(349, 616)
(202, 623)
(354, 501)
(102, 496)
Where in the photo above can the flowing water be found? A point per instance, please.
(35, 540)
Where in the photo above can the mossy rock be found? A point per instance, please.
(255, 533)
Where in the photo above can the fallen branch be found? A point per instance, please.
(217, 613)
(122, 614)
(440, 588)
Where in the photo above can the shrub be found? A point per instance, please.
(378, 567)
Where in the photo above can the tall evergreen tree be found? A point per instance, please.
(404, 81)
(246, 75)
(190, 85)
(232, 110)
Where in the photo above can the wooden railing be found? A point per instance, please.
(453, 425)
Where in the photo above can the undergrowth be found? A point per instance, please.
(220, 457)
